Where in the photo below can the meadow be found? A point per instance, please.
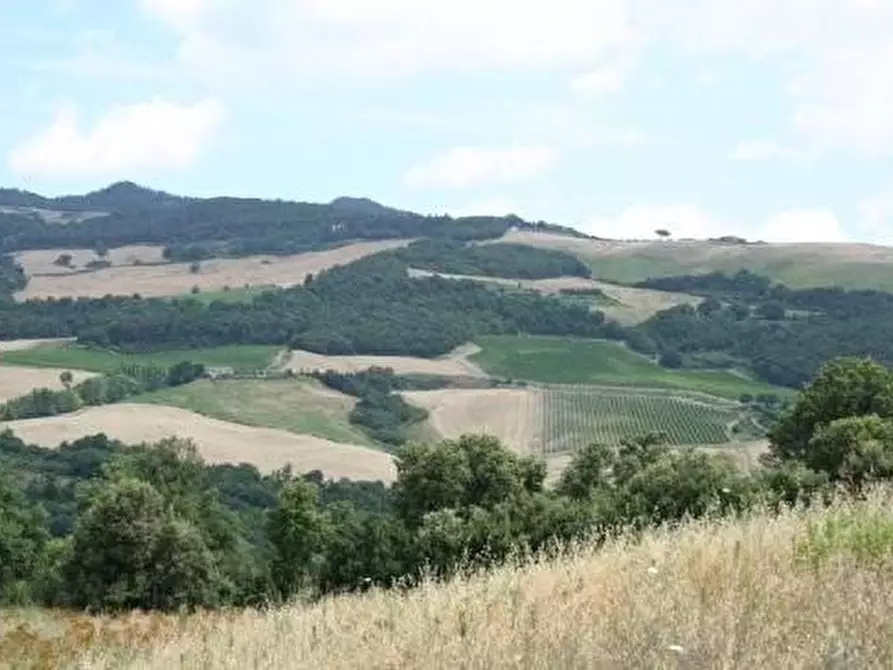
(561, 360)
(799, 589)
(299, 406)
(77, 357)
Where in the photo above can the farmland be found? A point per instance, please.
(297, 405)
(177, 278)
(76, 357)
(557, 360)
(575, 416)
(454, 364)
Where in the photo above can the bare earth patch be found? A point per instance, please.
(217, 441)
(16, 381)
(41, 261)
(512, 415)
(635, 305)
(454, 364)
(214, 275)
(22, 345)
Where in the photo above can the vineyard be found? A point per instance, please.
(575, 416)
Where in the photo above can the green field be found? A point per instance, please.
(575, 416)
(240, 294)
(76, 357)
(297, 405)
(561, 360)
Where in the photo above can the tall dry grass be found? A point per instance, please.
(797, 590)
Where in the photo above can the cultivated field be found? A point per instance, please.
(627, 305)
(563, 360)
(797, 265)
(575, 416)
(455, 364)
(217, 441)
(215, 274)
(16, 381)
(515, 416)
(22, 345)
(67, 355)
(41, 261)
(297, 405)
(734, 593)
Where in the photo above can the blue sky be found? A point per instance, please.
(771, 119)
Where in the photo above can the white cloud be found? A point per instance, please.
(266, 40)
(876, 213)
(762, 150)
(690, 221)
(151, 135)
(497, 206)
(606, 79)
(462, 167)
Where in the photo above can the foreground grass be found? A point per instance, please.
(297, 405)
(798, 590)
(565, 360)
(77, 357)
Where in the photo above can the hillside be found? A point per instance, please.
(856, 266)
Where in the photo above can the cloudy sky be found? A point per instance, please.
(771, 119)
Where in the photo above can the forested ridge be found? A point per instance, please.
(371, 306)
(94, 524)
(198, 228)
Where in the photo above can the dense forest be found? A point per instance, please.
(12, 277)
(782, 335)
(96, 525)
(371, 306)
(198, 228)
(512, 261)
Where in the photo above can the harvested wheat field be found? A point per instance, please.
(631, 305)
(217, 441)
(23, 345)
(214, 274)
(455, 364)
(16, 381)
(794, 590)
(41, 261)
(512, 415)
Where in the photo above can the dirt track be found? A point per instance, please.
(174, 279)
(512, 415)
(218, 441)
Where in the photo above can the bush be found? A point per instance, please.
(868, 539)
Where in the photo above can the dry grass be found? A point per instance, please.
(728, 594)
(40, 261)
(22, 345)
(16, 381)
(455, 364)
(217, 441)
(633, 305)
(215, 274)
(512, 415)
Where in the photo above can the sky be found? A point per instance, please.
(769, 119)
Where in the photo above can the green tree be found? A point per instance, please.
(588, 471)
(66, 378)
(856, 450)
(297, 531)
(845, 387)
(24, 539)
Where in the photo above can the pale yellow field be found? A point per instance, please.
(512, 415)
(729, 594)
(16, 381)
(21, 345)
(40, 261)
(215, 274)
(635, 304)
(455, 364)
(217, 441)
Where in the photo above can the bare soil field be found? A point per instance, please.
(40, 261)
(16, 381)
(634, 305)
(454, 364)
(512, 415)
(217, 441)
(214, 275)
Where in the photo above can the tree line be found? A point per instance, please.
(96, 525)
(782, 335)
